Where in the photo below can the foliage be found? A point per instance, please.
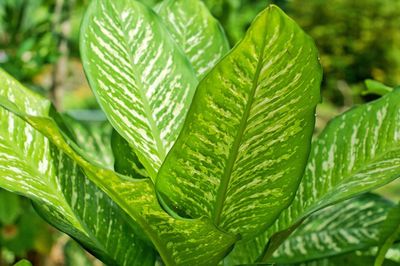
(210, 147)
(357, 40)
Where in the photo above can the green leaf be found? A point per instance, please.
(375, 87)
(23, 263)
(357, 258)
(242, 150)
(94, 137)
(357, 152)
(31, 166)
(126, 160)
(178, 241)
(9, 207)
(141, 78)
(390, 232)
(348, 226)
(200, 36)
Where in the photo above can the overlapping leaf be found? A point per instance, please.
(390, 232)
(243, 149)
(196, 31)
(126, 160)
(30, 165)
(141, 78)
(357, 152)
(351, 225)
(141, 75)
(94, 137)
(178, 241)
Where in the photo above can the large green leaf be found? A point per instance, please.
(390, 232)
(357, 152)
(142, 80)
(243, 149)
(178, 241)
(351, 225)
(196, 31)
(31, 166)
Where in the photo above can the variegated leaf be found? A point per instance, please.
(243, 149)
(178, 241)
(357, 152)
(31, 166)
(196, 31)
(351, 225)
(357, 258)
(94, 137)
(390, 232)
(141, 78)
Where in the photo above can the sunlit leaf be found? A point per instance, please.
(348, 226)
(31, 166)
(141, 78)
(357, 152)
(178, 241)
(196, 31)
(243, 149)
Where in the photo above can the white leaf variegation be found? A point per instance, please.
(141, 78)
(357, 152)
(348, 226)
(31, 166)
(178, 241)
(196, 31)
(243, 149)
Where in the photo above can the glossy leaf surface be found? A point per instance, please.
(31, 166)
(348, 226)
(141, 78)
(242, 150)
(357, 152)
(196, 31)
(178, 241)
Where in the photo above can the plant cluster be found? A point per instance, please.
(210, 158)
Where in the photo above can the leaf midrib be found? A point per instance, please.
(146, 105)
(222, 190)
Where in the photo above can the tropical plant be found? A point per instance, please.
(210, 147)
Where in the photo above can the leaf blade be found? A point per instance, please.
(201, 37)
(137, 198)
(147, 109)
(30, 166)
(227, 118)
(367, 159)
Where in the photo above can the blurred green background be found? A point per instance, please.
(357, 40)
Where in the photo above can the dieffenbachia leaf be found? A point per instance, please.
(126, 160)
(196, 31)
(178, 241)
(390, 232)
(348, 226)
(94, 137)
(357, 258)
(243, 149)
(31, 166)
(357, 152)
(142, 79)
